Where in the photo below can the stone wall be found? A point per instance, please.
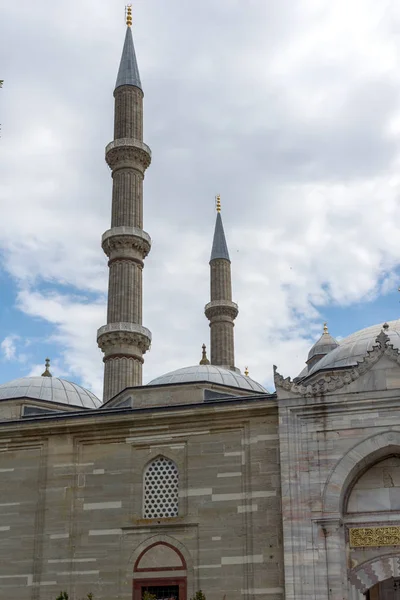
(332, 480)
(72, 494)
(377, 490)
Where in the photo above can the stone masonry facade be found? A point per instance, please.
(339, 445)
(72, 500)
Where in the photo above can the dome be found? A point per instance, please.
(210, 373)
(353, 348)
(51, 389)
(325, 344)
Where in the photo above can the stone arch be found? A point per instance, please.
(374, 571)
(357, 460)
(175, 559)
(159, 455)
(156, 539)
(181, 575)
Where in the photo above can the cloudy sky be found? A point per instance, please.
(290, 109)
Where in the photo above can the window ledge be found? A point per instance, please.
(161, 522)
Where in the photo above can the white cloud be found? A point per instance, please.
(289, 110)
(8, 347)
(75, 323)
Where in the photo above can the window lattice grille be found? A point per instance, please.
(161, 486)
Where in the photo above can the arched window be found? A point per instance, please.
(161, 489)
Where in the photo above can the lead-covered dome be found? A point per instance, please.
(210, 373)
(50, 389)
(354, 348)
(324, 345)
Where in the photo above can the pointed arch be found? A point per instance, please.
(173, 559)
(157, 539)
(375, 570)
(357, 460)
(162, 563)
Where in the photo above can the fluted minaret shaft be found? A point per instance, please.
(124, 340)
(221, 311)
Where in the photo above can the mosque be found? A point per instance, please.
(202, 479)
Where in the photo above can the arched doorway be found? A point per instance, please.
(372, 518)
(361, 521)
(389, 589)
(160, 570)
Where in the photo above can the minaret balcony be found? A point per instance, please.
(128, 153)
(124, 339)
(221, 310)
(126, 243)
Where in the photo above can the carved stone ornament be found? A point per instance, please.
(113, 242)
(361, 537)
(221, 308)
(119, 336)
(127, 152)
(329, 383)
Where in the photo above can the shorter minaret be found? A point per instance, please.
(221, 311)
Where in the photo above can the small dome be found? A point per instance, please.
(325, 344)
(210, 373)
(51, 389)
(354, 348)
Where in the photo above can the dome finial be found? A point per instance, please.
(47, 369)
(218, 203)
(246, 371)
(128, 15)
(204, 359)
(323, 346)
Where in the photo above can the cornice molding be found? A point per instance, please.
(27, 432)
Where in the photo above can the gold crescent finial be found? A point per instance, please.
(204, 359)
(128, 15)
(326, 328)
(246, 371)
(47, 369)
(218, 202)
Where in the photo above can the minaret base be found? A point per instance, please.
(124, 345)
(120, 373)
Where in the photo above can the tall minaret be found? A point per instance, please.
(221, 311)
(124, 340)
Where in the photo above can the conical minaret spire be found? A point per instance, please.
(124, 340)
(221, 311)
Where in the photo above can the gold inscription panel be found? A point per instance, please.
(374, 536)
